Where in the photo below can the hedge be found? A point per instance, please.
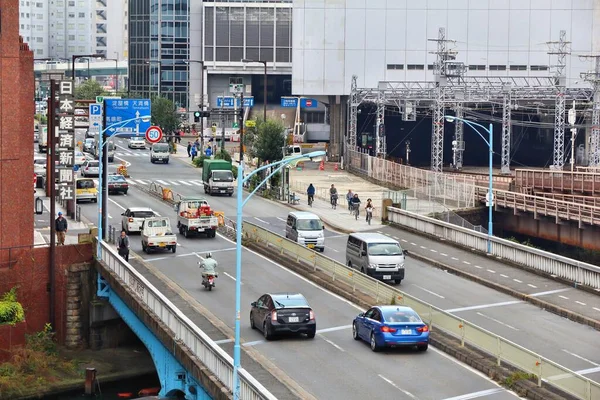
(11, 311)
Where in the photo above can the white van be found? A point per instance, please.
(159, 152)
(306, 229)
(376, 255)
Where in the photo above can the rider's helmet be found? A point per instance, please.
(208, 255)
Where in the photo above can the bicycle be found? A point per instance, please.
(311, 198)
(369, 215)
(356, 210)
(334, 202)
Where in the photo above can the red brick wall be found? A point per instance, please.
(27, 268)
(16, 131)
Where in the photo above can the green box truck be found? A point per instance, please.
(217, 177)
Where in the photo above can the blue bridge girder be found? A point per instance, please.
(172, 375)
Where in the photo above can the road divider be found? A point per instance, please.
(501, 349)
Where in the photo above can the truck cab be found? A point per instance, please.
(157, 234)
(217, 177)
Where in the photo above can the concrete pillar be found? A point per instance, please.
(337, 126)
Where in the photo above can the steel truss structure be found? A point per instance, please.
(594, 78)
(454, 90)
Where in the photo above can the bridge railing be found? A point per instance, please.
(500, 348)
(578, 272)
(206, 350)
(575, 182)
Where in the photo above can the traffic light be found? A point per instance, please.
(200, 114)
(196, 116)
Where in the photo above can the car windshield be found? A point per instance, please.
(384, 249)
(222, 176)
(93, 164)
(289, 302)
(89, 141)
(136, 139)
(142, 214)
(160, 148)
(400, 316)
(309, 225)
(85, 184)
(40, 161)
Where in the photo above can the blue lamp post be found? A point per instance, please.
(490, 143)
(101, 144)
(238, 249)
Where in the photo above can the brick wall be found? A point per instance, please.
(16, 131)
(27, 268)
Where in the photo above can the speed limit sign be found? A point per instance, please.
(154, 134)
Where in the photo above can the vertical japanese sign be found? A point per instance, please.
(65, 149)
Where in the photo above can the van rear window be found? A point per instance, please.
(85, 184)
(142, 214)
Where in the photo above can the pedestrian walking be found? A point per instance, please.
(124, 245)
(194, 152)
(189, 149)
(61, 226)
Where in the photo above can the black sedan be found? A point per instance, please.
(283, 313)
(117, 184)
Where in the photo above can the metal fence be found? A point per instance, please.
(574, 271)
(216, 360)
(501, 349)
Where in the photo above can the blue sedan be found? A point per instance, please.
(391, 326)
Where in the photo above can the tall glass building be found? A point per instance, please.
(168, 40)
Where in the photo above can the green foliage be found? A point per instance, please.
(269, 140)
(511, 380)
(234, 171)
(276, 179)
(88, 90)
(164, 114)
(199, 161)
(223, 155)
(393, 302)
(41, 118)
(525, 243)
(34, 367)
(11, 311)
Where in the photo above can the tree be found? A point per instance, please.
(88, 90)
(164, 114)
(269, 140)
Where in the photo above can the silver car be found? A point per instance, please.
(88, 145)
(134, 217)
(90, 168)
(137, 142)
(39, 166)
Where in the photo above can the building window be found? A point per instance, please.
(395, 66)
(22, 26)
(40, 16)
(81, 15)
(81, 49)
(431, 67)
(71, 4)
(314, 117)
(81, 38)
(81, 26)
(497, 67)
(539, 68)
(71, 37)
(518, 67)
(39, 5)
(476, 67)
(70, 26)
(70, 49)
(39, 39)
(420, 67)
(71, 15)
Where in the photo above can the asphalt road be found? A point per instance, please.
(331, 366)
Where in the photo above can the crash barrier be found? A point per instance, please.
(500, 348)
(211, 355)
(578, 272)
(167, 194)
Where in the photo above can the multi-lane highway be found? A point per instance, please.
(333, 365)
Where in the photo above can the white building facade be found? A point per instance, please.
(33, 26)
(387, 40)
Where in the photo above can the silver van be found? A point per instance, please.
(306, 229)
(159, 152)
(376, 255)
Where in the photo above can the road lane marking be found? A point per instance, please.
(264, 222)
(466, 262)
(497, 321)
(476, 395)
(127, 163)
(433, 251)
(155, 259)
(405, 241)
(396, 237)
(429, 291)
(174, 183)
(142, 182)
(518, 281)
(409, 394)
(253, 343)
(225, 273)
(423, 247)
(444, 254)
(222, 341)
(504, 276)
(491, 271)
(549, 292)
(532, 286)
(469, 308)
(331, 248)
(109, 216)
(161, 182)
(581, 358)
(333, 329)
(117, 204)
(281, 219)
(414, 244)
(563, 297)
(580, 303)
(333, 344)
(595, 308)
(478, 267)
(455, 259)
(185, 183)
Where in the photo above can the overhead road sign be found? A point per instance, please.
(292, 102)
(118, 110)
(154, 134)
(229, 101)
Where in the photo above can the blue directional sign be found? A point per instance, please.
(292, 102)
(248, 101)
(118, 110)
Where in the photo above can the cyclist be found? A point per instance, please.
(355, 204)
(311, 194)
(333, 193)
(349, 196)
(369, 209)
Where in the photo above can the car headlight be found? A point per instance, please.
(401, 265)
(372, 265)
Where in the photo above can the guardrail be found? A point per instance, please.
(500, 348)
(580, 182)
(564, 210)
(571, 198)
(574, 271)
(216, 360)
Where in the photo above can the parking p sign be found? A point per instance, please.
(154, 134)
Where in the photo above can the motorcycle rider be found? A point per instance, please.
(208, 266)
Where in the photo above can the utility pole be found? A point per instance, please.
(560, 50)
(594, 78)
(51, 190)
(241, 124)
(572, 118)
(223, 124)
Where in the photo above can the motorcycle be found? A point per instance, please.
(208, 281)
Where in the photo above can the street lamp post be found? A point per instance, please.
(76, 56)
(238, 249)
(101, 183)
(159, 62)
(490, 143)
(245, 60)
(201, 98)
